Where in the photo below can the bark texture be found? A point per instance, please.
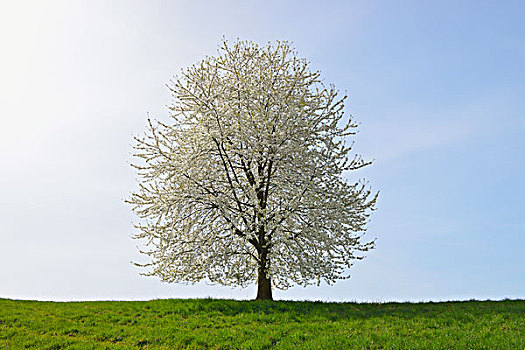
(264, 286)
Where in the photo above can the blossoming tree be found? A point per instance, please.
(245, 183)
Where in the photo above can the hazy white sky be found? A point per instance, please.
(438, 89)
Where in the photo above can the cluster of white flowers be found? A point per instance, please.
(247, 176)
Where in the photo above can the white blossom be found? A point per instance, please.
(248, 175)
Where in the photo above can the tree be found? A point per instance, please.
(245, 183)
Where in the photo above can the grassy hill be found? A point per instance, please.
(228, 324)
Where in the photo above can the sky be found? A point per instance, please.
(438, 88)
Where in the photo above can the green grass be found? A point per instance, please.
(228, 324)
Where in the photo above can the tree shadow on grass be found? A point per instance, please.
(343, 311)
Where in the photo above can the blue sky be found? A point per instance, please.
(438, 88)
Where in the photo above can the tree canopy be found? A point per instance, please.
(247, 182)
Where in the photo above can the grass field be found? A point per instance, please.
(228, 324)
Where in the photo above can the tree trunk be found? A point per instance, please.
(264, 286)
